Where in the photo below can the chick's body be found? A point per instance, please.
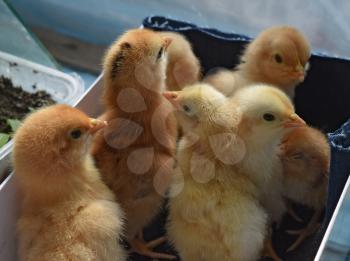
(135, 152)
(216, 215)
(278, 56)
(305, 155)
(220, 220)
(67, 213)
(264, 167)
(183, 66)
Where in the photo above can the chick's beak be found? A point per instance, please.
(294, 121)
(172, 97)
(96, 125)
(300, 72)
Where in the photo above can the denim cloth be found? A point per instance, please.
(340, 165)
(322, 100)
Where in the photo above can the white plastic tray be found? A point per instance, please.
(90, 104)
(63, 88)
(8, 219)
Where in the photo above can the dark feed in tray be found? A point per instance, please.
(15, 103)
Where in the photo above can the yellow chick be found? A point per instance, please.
(183, 66)
(278, 56)
(305, 155)
(67, 213)
(267, 116)
(214, 213)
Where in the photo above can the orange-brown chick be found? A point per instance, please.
(67, 213)
(305, 155)
(278, 56)
(183, 66)
(135, 152)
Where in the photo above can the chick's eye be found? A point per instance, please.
(186, 108)
(159, 55)
(278, 58)
(269, 117)
(189, 110)
(75, 134)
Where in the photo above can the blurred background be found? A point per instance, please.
(76, 33)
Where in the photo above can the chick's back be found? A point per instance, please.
(183, 66)
(135, 152)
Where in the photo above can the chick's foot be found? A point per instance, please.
(269, 251)
(141, 247)
(293, 214)
(302, 234)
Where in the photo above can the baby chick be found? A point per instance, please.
(278, 56)
(305, 156)
(67, 213)
(136, 150)
(267, 116)
(214, 213)
(183, 66)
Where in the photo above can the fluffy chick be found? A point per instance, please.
(213, 210)
(67, 213)
(135, 152)
(183, 66)
(305, 155)
(278, 56)
(267, 116)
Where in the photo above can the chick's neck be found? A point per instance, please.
(150, 90)
(225, 175)
(260, 159)
(63, 184)
(255, 73)
(201, 143)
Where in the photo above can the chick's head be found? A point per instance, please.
(197, 107)
(305, 154)
(54, 139)
(267, 114)
(138, 55)
(278, 56)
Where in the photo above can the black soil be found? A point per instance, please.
(15, 103)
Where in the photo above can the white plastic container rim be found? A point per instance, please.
(69, 88)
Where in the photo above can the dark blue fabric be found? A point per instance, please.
(322, 100)
(340, 165)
